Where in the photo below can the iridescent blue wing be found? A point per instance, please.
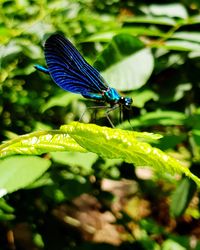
(69, 69)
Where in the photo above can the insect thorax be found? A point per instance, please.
(111, 96)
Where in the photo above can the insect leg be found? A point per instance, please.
(107, 114)
(93, 107)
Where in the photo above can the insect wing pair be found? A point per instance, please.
(71, 72)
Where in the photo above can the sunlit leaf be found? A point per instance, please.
(170, 10)
(187, 35)
(40, 142)
(172, 244)
(181, 45)
(9, 51)
(134, 31)
(151, 20)
(106, 142)
(19, 171)
(117, 143)
(122, 63)
(131, 73)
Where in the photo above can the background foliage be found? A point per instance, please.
(151, 51)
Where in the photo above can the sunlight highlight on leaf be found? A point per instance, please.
(109, 143)
(40, 142)
(116, 143)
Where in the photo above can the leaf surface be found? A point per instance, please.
(122, 63)
(109, 143)
(19, 171)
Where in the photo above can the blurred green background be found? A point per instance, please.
(148, 50)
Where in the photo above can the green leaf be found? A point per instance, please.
(151, 226)
(5, 207)
(171, 244)
(30, 50)
(171, 140)
(194, 54)
(40, 142)
(41, 126)
(109, 168)
(180, 91)
(194, 121)
(101, 37)
(122, 63)
(194, 19)
(10, 51)
(137, 31)
(106, 142)
(68, 189)
(121, 46)
(6, 211)
(73, 159)
(5, 216)
(61, 100)
(170, 10)
(187, 35)
(151, 20)
(116, 143)
(182, 197)
(19, 171)
(158, 117)
(134, 31)
(131, 73)
(78, 186)
(141, 97)
(174, 89)
(195, 144)
(180, 45)
(44, 180)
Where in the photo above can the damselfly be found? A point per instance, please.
(71, 72)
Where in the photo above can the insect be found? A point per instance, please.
(70, 71)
